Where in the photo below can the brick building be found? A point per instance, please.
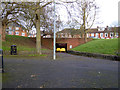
(69, 33)
(16, 30)
(98, 33)
(106, 33)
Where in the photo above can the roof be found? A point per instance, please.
(111, 29)
(70, 30)
(93, 30)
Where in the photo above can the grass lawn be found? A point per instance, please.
(102, 46)
(22, 43)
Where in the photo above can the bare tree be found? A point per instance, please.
(88, 11)
(23, 13)
(84, 12)
(6, 11)
(28, 14)
(37, 10)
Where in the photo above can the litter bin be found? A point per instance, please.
(13, 50)
(1, 61)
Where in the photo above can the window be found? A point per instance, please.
(106, 34)
(92, 34)
(66, 35)
(97, 35)
(111, 34)
(101, 34)
(16, 33)
(10, 32)
(70, 36)
(17, 28)
(116, 34)
(23, 34)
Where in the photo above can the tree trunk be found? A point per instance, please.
(85, 36)
(38, 36)
(3, 32)
(84, 23)
(82, 35)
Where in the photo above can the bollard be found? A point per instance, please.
(1, 56)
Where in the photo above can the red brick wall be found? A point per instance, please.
(48, 42)
(20, 32)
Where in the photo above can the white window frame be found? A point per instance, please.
(106, 34)
(23, 34)
(16, 28)
(16, 33)
(92, 34)
(116, 34)
(101, 34)
(66, 35)
(112, 34)
(97, 35)
(10, 32)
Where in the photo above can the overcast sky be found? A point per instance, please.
(107, 16)
(108, 11)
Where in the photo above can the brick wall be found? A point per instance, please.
(48, 42)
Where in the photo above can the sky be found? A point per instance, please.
(108, 12)
(107, 15)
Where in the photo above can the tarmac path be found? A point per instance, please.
(67, 71)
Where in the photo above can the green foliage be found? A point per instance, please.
(102, 46)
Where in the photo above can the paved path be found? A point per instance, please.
(67, 71)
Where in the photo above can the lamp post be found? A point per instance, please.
(54, 53)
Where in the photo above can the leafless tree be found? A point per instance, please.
(84, 12)
(6, 12)
(28, 14)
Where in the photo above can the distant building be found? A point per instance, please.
(107, 33)
(69, 33)
(16, 30)
(98, 33)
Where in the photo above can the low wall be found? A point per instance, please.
(48, 42)
(95, 55)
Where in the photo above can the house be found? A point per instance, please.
(69, 33)
(32, 33)
(106, 33)
(14, 29)
(44, 34)
(98, 33)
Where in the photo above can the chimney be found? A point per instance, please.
(107, 27)
(98, 28)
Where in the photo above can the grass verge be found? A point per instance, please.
(101, 46)
(24, 44)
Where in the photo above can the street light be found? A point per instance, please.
(54, 54)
